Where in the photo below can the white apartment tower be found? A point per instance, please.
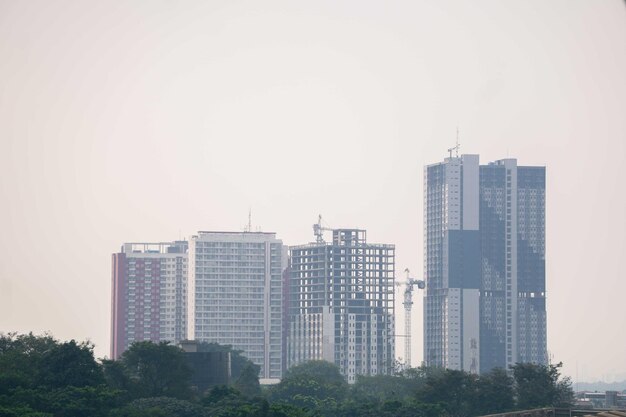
(235, 287)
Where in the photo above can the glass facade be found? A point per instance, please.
(504, 258)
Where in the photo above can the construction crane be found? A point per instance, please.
(408, 303)
(318, 230)
(457, 146)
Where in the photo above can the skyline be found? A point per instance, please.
(150, 121)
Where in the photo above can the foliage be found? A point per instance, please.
(314, 384)
(455, 391)
(153, 370)
(388, 408)
(541, 386)
(248, 381)
(29, 361)
(21, 411)
(68, 401)
(286, 410)
(170, 407)
(495, 392)
(226, 401)
(42, 377)
(70, 364)
(130, 411)
(21, 358)
(116, 377)
(222, 393)
(380, 388)
(389, 395)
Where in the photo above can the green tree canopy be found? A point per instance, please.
(21, 357)
(541, 386)
(311, 384)
(42, 376)
(381, 388)
(248, 381)
(153, 370)
(164, 406)
(495, 392)
(455, 391)
(70, 364)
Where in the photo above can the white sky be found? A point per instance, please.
(147, 121)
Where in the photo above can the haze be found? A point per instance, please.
(148, 121)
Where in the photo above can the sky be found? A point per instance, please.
(150, 120)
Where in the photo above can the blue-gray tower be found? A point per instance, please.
(484, 238)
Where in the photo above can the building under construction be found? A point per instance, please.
(341, 303)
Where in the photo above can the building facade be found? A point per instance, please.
(149, 291)
(484, 240)
(235, 286)
(341, 304)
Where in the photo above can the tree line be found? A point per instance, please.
(43, 377)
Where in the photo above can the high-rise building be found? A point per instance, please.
(484, 246)
(341, 304)
(235, 288)
(149, 287)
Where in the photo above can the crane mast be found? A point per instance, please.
(318, 230)
(408, 304)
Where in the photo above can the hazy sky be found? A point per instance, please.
(150, 120)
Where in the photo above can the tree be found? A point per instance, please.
(163, 406)
(455, 391)
(311, 385)
(70, 364)
(30, 361)
(116, 377)
(382, 388)
(286, 410)
(222, 393)
(155, 370)
(41, 376)
(95, 401)
(21, 411)
(21, 357)
(541, 386)
(495, 392)
(248, 381)
(321, 371)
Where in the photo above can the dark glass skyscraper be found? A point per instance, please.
(484, 264)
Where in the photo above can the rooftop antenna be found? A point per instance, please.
(248, 227)
(457, 146)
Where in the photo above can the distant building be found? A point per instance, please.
(235, 288)
(484, 239)
(149, 287)
(602, 399)
(341, 304)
